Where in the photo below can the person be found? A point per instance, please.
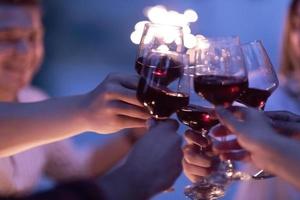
(137, 179)
(266, 148)
(110, 107)
(272, 146)
(290, 61)
(286, 97)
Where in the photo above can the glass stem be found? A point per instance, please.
(203, 133)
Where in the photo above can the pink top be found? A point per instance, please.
(20, 174)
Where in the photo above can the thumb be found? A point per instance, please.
(227, 119)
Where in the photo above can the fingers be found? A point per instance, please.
(287, 123)
(119, 87)
(193, 178)
(130, 122)
(283, 116)
(244, 113)
(277, 115)
(226, 146)
(227, 119)
(286, 128)
(239, 120)
(193, 137)
(193, 171)
(117, 92)
(220, 131)
(125, 109)
(193, 156)
(195, 164)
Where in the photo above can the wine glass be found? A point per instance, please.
(262, 77)
(161, 63)
(262, 81)
(220, 72)
(160, 38)
(199, 116)
(161, 88)
(220, 77)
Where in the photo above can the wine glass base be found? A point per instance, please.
(204, 191)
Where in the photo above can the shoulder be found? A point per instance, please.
(32, 94)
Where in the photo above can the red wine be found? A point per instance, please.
(254, 97)
(161, 102)
(160, 69)
(197, 117)
(220, 90)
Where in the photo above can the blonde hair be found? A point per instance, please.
(287, 66)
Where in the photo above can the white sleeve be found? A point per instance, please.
(65, 162)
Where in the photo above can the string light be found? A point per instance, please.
(159, 14)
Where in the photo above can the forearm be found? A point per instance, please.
(285, 160)
(27, 125)
(122, 184)
(76, 190)
(108, 155)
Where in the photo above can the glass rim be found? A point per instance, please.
(221, 38)
(253, 42)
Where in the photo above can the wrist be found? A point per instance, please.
(80, 113)
(121, 184)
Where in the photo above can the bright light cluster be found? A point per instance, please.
(159, 14)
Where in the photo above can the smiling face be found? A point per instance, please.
(21, 47)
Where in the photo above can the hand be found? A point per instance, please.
(286, 123)
(268, 150)
(156, 158)
(253, 133)
(151, 167)
(134, 134)
(196, 163)
(113, 105)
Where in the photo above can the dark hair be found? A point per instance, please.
(287, 66)
(21, 2)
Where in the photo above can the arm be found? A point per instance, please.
(283, 159)
(144, 174)
(151, 167)
(268, 150)
(66, 162)
(55, 118)
(105, 157)
(110, 107)
(286, 123)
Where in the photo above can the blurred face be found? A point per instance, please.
(295, 36)
(21, 46)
